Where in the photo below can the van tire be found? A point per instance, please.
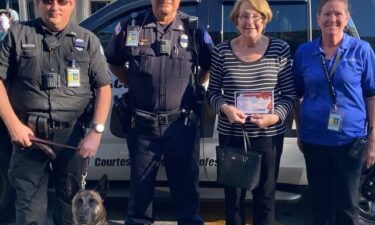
(365, 213)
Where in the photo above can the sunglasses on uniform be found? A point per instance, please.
(60, 2)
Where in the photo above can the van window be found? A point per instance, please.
(363, 14)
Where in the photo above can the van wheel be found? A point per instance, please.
(367, 210)
(366, 205)
(6, 196)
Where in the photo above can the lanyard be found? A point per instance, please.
(330, 75)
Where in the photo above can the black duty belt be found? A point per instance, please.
(160, 118)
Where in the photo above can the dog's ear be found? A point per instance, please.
(73, 186)
(102, 186)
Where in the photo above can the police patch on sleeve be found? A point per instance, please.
(118, 28)
(207, 38)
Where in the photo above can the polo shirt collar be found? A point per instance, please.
(344, 45)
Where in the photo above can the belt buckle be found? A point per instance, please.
(163, 119)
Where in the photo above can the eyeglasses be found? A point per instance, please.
(60, 2)
(255, 18)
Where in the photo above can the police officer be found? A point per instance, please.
(53, 69)
(162, 48)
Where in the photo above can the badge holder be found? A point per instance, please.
(132, 33)
(73, 76)
(335, 120)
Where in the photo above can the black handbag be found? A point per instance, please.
(238, 167)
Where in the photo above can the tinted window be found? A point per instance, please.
(363, 12)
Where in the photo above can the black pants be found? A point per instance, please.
(264, 194)
(178, 146)
(334, 182)
(6, 146)
(29, 174)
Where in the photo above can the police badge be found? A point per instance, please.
(184, 40)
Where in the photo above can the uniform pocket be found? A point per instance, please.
(182, 63)
(142, 60)
(82, 61)
(29, 61)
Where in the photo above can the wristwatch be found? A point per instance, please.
(98, 128)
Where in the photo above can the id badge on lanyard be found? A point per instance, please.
(132, 36)
(73, 76)
(335, 120)
(336, 117)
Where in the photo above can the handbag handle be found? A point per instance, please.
(246, 139)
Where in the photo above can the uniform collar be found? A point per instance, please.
(177, 23)
(346, 44)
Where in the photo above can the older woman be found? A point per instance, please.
(336, 78)
(252, 63)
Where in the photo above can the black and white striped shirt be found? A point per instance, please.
(272, 72)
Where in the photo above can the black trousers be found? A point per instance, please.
(6, 146)
(264, 194)
(334, 183)
(178, 146)
(29, 174)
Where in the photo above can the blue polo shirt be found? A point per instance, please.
(354, 80)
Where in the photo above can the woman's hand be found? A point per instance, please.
(264, 120)
(234, 115)
(370, 153)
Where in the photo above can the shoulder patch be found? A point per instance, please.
(118, 28)
(207, 38)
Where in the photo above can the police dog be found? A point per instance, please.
(87, 205)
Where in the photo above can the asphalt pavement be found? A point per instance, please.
(296, 213)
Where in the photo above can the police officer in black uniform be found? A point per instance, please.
(53, 69)
(162, 48)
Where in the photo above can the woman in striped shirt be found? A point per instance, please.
(249, 65)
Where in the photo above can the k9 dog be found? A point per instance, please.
(87, 205)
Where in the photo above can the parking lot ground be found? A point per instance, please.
(296, 213)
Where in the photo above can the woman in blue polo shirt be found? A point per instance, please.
(335, 79)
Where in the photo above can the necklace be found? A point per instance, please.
(250, 54)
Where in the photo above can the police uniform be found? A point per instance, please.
(165, 127)
(51, 77)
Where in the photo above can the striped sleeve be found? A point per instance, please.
(214, 91)
(285, 84)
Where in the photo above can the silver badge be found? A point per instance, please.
(79, 44)
(184, 40)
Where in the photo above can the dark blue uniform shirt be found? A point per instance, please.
(160, 82)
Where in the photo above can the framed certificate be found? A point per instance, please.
(254, 102)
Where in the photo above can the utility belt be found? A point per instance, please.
(157, 118)
(43, 126)
(165, 118)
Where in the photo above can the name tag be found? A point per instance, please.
(73, 77)
(132, 36)
(335, 120)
